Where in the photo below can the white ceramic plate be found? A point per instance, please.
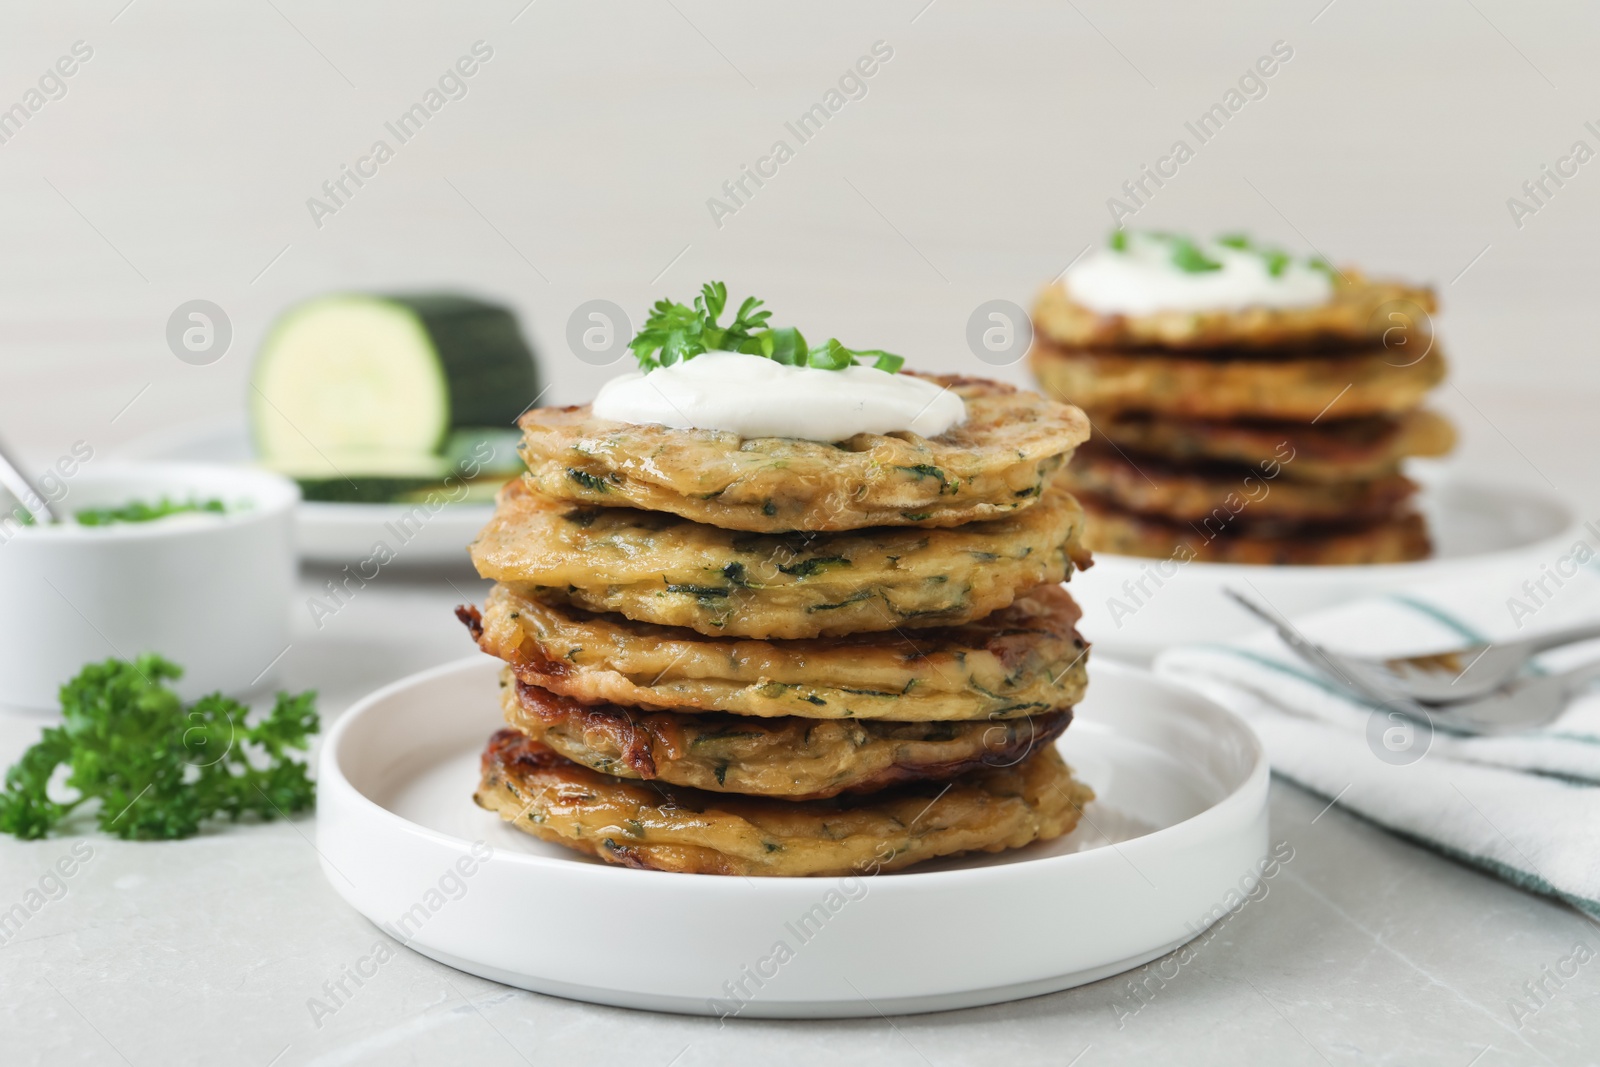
(1484, 533)
(333, 533)
(1177, 834)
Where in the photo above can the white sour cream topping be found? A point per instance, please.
(756, 397)
(1143, 279)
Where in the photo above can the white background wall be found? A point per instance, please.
(979, 163)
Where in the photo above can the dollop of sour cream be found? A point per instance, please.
(756, 397)
(1143, 278)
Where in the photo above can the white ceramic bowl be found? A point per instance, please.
(334, 534)
(1175, 838)
(211, 593)
(1486, 534)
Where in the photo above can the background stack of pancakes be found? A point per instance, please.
(1254, 435)
(777, 656)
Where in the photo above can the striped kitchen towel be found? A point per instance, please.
(1525, 807)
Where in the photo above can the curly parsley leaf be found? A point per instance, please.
(159, 768)
(674, 332)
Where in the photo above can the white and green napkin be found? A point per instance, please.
(1525, 807)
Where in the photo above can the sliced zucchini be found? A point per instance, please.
(362, 477)
(386, 375)
(478, 491)
(488, 451)
(378, 478)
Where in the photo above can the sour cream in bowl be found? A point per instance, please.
(194, 562)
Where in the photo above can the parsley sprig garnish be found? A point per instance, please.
(674, 332)
(158, 768)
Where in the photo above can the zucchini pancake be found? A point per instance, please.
(1250, 406)
(657, 567)
(1126, 533)
(672, 828)
(774, 608)
(995, 462)
(1023, 659)
(1190, 491)
(790, 757)
(1330, 451)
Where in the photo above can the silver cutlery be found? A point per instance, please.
(1525, 704)
(1440, 677)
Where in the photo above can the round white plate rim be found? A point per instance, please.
(1419, 570)
(1241, 810)
(998, 994)
(1260, 769)
(1190, 614)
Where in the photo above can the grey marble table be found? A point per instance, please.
(208, 951)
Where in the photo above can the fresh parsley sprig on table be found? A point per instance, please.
(674, 332)
(158, 768)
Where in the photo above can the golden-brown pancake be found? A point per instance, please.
(991, 465)
(1357, 313)
(1194, 491)
(672, 828)
(792, 758)
(653, 566)
(1336, 386)
(1392, 540)
(1026, 659)
(1327, 451)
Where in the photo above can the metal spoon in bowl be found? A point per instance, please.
(14, 482)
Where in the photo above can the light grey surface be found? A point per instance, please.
(178, 165)
(1364, 949)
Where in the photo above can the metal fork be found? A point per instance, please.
(1437, 677)
(1525, 704)
(1521, 704)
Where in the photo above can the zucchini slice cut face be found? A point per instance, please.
(388, 376)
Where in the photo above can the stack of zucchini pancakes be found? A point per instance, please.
(1248, 406)
(776, 656)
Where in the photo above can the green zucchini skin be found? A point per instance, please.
(361, 489)
(488, 365)
(474, 465)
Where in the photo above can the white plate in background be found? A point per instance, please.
(1182, 796)
(1493, 535)
(334, 534)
